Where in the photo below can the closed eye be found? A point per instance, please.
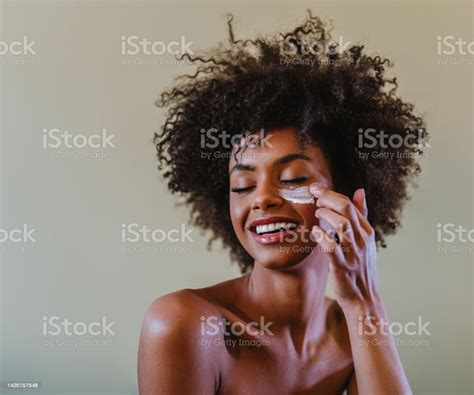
(240, 190)
(296, 180)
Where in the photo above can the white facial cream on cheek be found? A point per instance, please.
(300, 195)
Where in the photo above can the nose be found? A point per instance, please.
(266, 197)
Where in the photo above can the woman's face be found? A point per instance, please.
(256, 177)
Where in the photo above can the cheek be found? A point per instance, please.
(307, 212)
(237, 213)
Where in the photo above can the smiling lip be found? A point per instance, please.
(271, 238)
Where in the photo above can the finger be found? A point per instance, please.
(339, 224)
(360, 202)
(328, 246)
(336, 202)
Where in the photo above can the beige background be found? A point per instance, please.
(77, 268)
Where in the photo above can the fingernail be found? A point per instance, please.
(315, 188)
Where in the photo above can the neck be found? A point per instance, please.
(294, 299)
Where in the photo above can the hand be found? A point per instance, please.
(352, 257)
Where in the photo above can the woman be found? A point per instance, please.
(299, 195)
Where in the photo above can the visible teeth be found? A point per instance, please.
(260, 229)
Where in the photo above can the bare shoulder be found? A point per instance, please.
(180, 307)
(176, 308)
(171, 357)
(177, 317)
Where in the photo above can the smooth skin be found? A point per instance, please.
(315, 344)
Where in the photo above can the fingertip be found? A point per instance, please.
(360, 191)
(316, 189)
(366, 210)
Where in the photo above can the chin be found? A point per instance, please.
(283, 257)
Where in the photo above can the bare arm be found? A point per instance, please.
(377, 365)
(171, 359)
(352, 266)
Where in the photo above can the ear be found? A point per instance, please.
(360, 202)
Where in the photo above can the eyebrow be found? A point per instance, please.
(241, 167)
(291, 157)
(279, 161)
